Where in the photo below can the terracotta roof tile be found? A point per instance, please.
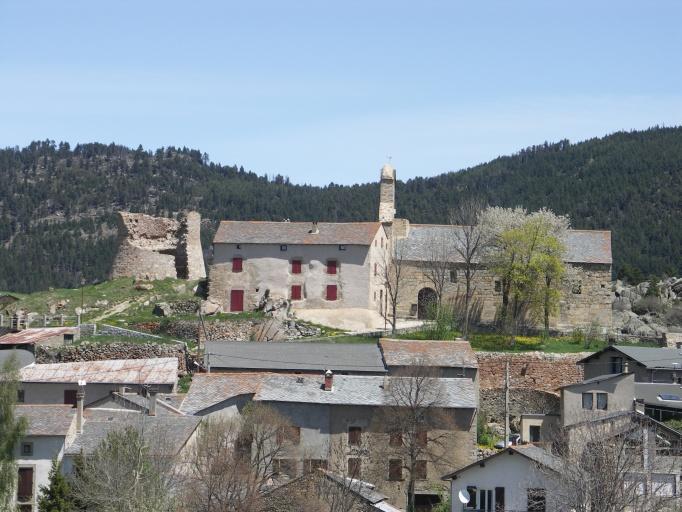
(161, 370)
(296, 233)
(35, 335)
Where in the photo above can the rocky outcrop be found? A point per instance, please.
(643, 311)
(156, 248)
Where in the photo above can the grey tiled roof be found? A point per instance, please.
(208, 390)
(582, 246)
(452, 354)
(296, 356)
(650, 357)
(651, 393)
(534, 453)
(594, 380)
(23, 357)
(356, 390)
(162, 432)
(166, 403)
(47, 420)
(295, 233)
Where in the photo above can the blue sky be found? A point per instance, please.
(321, 91)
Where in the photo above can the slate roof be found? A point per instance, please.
(531, 452)
(355, 390)
(23, 357)
(595, 380)
(296, 356)
(161, 370)
(47, 420)
(364, 490)
(35, 335)
(582, 246)
(449, 354)
(209, 389)
(650, 357)
(295, 233)
(162, 432)
(166, 403)
(651, 393)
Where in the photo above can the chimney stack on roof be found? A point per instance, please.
(314, 230)
(328, 380)
(80, 398)
(152, 402)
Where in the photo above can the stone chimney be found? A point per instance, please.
(80, 398)
(328, 380)
(314, 230)
(152, 403)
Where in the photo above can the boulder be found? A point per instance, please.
(102, 303)
(676, 286)
(209, 307)
(162, 309)
(143, 286)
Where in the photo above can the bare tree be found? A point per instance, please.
(392, 275)
(624, 463)
(470, 242)
(235, 459)
(418, 425)
(437, 264)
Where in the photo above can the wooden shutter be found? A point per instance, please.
(25, 484)
(331, 267)
(354, 435)
(237, 264)
(331, 292)
(421, 438)
(395, 470)
(420, 470)
(296, 292)
(354, 468)
(396, 439)
(296, 266)
(70, 397)
(499, 499)
(236, 300)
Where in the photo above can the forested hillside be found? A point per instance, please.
(58, 204)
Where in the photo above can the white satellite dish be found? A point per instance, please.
(464, 497)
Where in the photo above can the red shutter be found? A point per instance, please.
(25, 484)
(296, 292)
(331, 292)
(236, 264)
(296, 266)
(331, 267)
(236, 300)
(70, 397)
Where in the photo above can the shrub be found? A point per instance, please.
(484, 434)
(674, 316)
(648, 304)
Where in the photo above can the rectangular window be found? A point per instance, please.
(311, 465)
(25, 485)
(616, 365)
(395, 440)
(354, 436)
(534, 433)
(283, 247)
(420, 470)
(536, 500)
(296, 266)
(473, 502)
(331, 292)
(285, 467)
(421, 438)
(296, 292)
(354, 468)
(289, 434)
(342, 247)
(236, 301)
(395, 470)
(331, 267)
(237, 264)
(376, 269)
(587, 401)
(453, 275)
(70, 397)
(498, 286)
(602, 401)
(27, 449)
(20, 396)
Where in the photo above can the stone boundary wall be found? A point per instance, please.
(98, 352)
(521, 401)
(530, 370)
(112, 330)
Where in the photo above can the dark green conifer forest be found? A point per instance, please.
(58, 203)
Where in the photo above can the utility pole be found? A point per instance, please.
(506, 403)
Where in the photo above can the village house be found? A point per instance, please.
(46, 336)
(339, 266)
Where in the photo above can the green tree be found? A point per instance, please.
(56, 496)
(12, 429)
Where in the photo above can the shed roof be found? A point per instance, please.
(357, 390)
(46, 420)
(457, 353)
(23, 357)
(650, 357)
(582, 246)
(209, 389)
(296, 356)
(661, 395)
(35, 335)
(295, 233)
(597, 380)
(161, 370)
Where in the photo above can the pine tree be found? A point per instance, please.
(56, 497)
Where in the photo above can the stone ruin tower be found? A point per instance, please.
(387, 194)
(156, 247)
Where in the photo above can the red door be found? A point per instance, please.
(296, 292)
(331, 292)
(237, 300)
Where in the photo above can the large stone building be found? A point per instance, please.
(334, 265)
(157, 248)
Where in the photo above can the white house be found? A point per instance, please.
(519, 479)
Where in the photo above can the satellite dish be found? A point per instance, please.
(464, 497)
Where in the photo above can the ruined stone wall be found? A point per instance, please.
(153, 248)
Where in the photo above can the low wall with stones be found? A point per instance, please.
(112, 330)
(529, 370)
(521, 401)
(98, 352)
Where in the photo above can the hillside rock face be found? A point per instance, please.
(640, 311)
(153, 248)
